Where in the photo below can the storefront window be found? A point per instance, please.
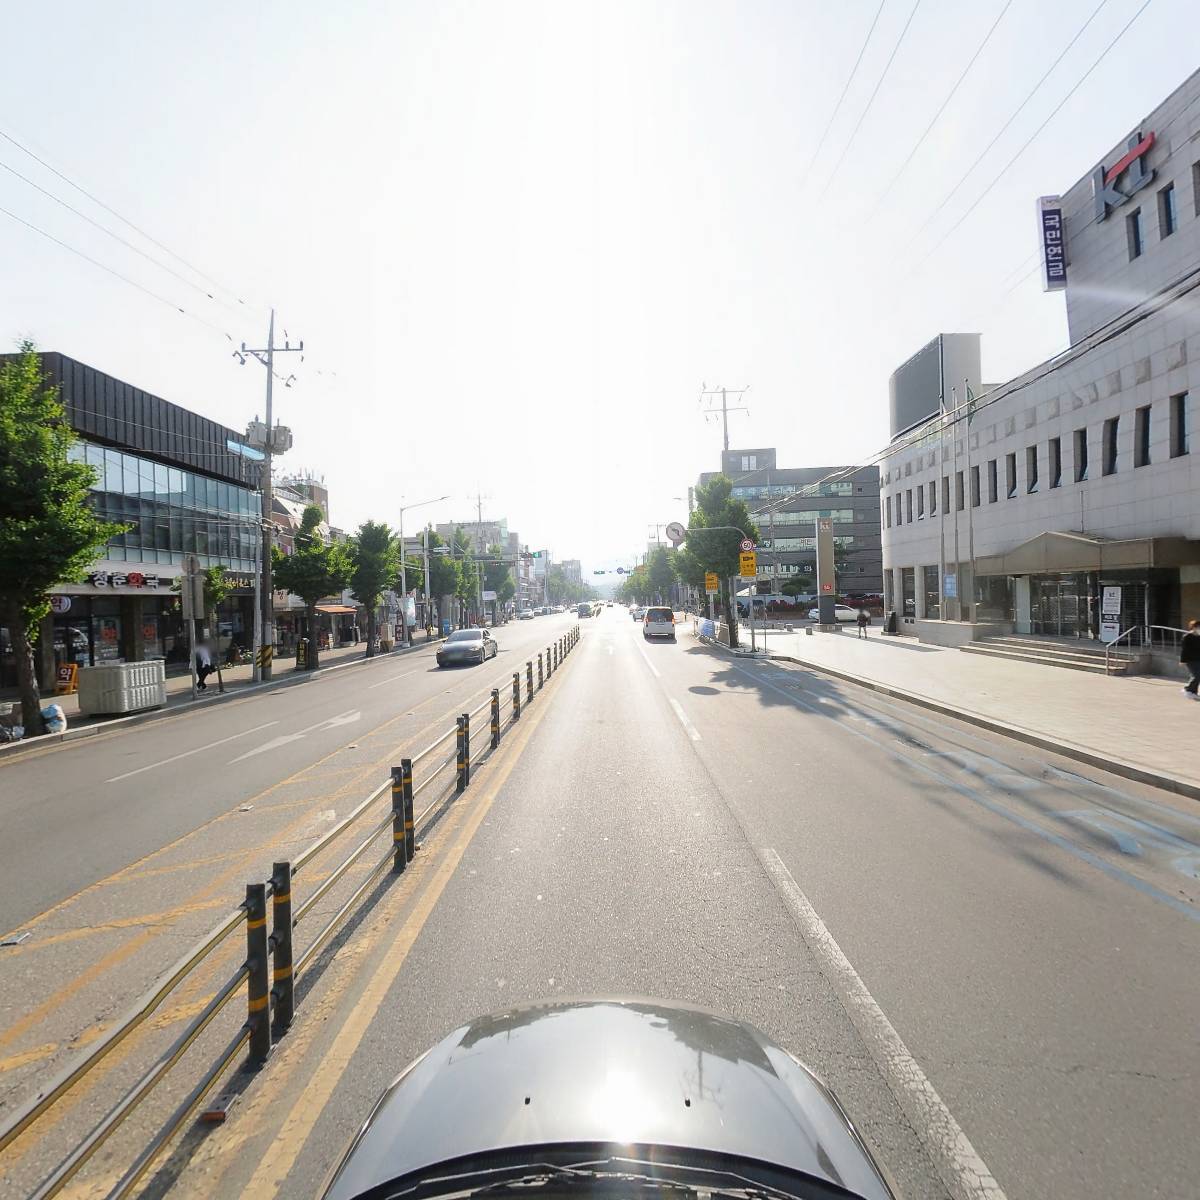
(106, 630)
(931, 587)
(994, 598)
(908, 591)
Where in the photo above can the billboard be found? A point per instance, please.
(1053, 243)
(920, 387)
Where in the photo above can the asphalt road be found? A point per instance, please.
(989, 953)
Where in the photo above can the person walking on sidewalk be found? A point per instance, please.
(204, 667)
(1189, 655)
(863, 621)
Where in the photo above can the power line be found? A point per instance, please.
(853, 71)
(871, 99)
(1003, 128)
(942, 108)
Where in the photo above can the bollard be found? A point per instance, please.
(399, 852)
(258, 1003)
(529, 681)
(495, 717)
(410, 833)
(466, 748)
(516, 695)
(281, 946)
(460, 782)
(541, 680)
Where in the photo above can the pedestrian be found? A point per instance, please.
(863, 621)
(1189, 655)
(204, 667)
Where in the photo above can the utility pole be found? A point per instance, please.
(271, 441)
(481, 551)
(725, 408)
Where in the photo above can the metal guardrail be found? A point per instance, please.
(1121, 637)
(269, 970)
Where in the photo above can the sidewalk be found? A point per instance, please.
(1137, 725)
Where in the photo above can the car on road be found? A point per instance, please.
(526, 614)
(603, 1097)
(466, 646)
(841, 612)
(583, 610)
(637, 612)
(658, 622)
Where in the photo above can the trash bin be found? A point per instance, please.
(122, 687)
(891, 623)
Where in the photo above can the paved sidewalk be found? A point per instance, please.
(1139, 721)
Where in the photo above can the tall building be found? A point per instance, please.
(481, 533)
(572, 570)
(1064, 502)
(785, 503)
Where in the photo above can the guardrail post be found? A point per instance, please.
(541, 680)
(460, 782)
(410, 833)
(529, 681)
(516, 695)
(399, 851)
(258, 1003)
(466, 748)
(495, 717)
(282, 979)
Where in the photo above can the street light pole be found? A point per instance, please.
(406, 640)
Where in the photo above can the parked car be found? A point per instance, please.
(466, 646)
(841, 612)
(613, 1105)
(526, 614)
(658, 622)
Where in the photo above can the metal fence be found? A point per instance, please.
(270, 968)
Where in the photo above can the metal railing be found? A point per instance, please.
(1164, 637)
(269, 969)
(1130, 636)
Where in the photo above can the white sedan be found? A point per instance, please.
(841, 612)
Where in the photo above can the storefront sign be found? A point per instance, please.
(1110, 629)
(120, 579)
(1110, 602)
(60, 604)
(1104, 179)
(1053, 242)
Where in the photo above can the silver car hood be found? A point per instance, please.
(625, 1072)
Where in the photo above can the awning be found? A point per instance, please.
(336, 608)
(1052, 552)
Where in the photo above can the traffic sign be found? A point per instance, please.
(748, 564)
(712, 585)
(745, 545)
(676, 532)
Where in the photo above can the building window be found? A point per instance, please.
(920, 504)
(929, 577)
(908, 505)
(945, 493)
(933, 498)
(1055, 462)
(749, 462)
(1141, 437)
(1010, 474)
(1031, 478)
(1109, 466)
(993, 488)
(1081, 455)
(975, 486)
(908, 592)
(1179, 436)
(1133, 233)
(959, 500)
(1168, 218)
(887, 509)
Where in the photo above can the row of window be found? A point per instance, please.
(927, 496)
(1168, 215)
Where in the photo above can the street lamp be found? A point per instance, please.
(403, 575)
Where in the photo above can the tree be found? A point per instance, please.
(313, 570)
(661, 574)
(468, 573)
(714, 529)
(374, 567)
(49, 534)
(498, 578)
(444, 572)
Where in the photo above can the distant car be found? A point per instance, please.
(526, 614)
(658, 622)
(466, 646)
(841, 612)
(637, 612)
(583, 610)
(608, 604)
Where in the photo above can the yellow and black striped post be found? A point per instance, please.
(410, 832)
(282, 977)
(258, 1003)
(541, 679)
(495, 717)
(516, 695)
(459, 782)
(466, 776)
(264, 656)
(399, 845)
(529, 681)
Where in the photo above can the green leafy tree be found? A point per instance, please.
(444, 572)
(49, 533)
(313, 570)
(712, 542)
(661, 574)
(374, 567)
(497, 577)
(467, 591)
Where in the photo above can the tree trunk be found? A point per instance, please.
(729, 611)
(310, 612)
(371, 610)
(211, 621)
(31, 699)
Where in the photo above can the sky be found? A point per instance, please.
(519, 238)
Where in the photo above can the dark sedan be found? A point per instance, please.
(612, 1098)
(466, 646)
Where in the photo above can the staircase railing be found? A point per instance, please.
(1108, 647)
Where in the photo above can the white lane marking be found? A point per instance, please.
(692, 731)
(392, 679)
(346, 718)
(188, 753)
(964, 1173)
(649, 663)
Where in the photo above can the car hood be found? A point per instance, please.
(461, 647)
(626, 1072)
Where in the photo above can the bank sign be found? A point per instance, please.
(1133, 166)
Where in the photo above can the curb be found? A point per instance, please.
(1116, 766)
(292, 679)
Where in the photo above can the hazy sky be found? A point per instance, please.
(517, 237)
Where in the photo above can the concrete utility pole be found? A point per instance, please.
(406, 636)
(725, 408)
(272, 443)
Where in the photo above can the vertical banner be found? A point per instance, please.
(1053, 243)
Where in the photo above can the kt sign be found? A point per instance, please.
(1104, 179)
